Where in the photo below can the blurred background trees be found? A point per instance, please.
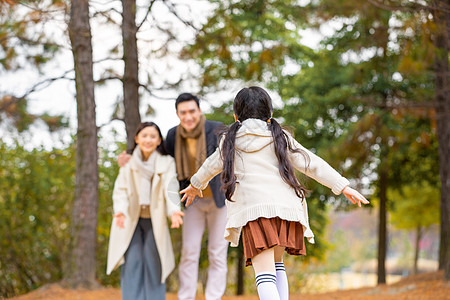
(36, 203)
(362, 84)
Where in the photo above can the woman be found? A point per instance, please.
(145, 194)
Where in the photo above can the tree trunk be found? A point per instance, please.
(382, 228)
(130, 76)
(417, 250)
(442, 98)
(80, 271)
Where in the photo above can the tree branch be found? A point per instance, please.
(171, 8)
(152, 94)
(35, 88)
(146, 15)
(102, 2)
(107, 16)
(35, 8)
(102, 80)
(37, 43)
(109, 122)
(48, 81)
(107, 58)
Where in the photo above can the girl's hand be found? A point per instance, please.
(177, 219)
(189, 194)
(354, 196)
(120, 219)
(123, 159)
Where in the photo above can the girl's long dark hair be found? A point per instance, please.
(161, 148)
(254, 102)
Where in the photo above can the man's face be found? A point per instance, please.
(189, 114)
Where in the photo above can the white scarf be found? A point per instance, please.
(146, 170)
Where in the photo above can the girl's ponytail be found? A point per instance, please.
(282, 145)
(228, 154)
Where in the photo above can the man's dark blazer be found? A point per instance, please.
(211, 145)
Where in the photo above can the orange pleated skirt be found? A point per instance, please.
(265, 233)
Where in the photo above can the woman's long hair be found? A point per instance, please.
(161, 148)
(255, 103)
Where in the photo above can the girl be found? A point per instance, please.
(266, 202)
(145, 194)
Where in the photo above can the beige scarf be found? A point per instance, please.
(146, 170)
(181, 150)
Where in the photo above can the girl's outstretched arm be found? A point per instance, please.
(354, 196)
(190, 193)
(318, 169)
(199, 181)
(212, 166)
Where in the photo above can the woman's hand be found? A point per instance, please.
(177, 219)
(189, 194)
(123, 159)
(354, 196)
(120, 220)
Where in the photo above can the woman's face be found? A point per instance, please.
(148, 139)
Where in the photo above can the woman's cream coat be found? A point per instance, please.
(162, 205)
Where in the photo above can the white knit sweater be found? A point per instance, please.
(260, 190)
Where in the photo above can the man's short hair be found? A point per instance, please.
(186, 97)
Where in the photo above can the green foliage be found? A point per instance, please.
(249, 41)
(223, 113)
(416, 154)
(108, 170)
(16, 111)
(339, 254)
(318, 220)
(22, 35)
(415, 206)
(356, 102)
(36, 192)
(26, 40)
(54, 123)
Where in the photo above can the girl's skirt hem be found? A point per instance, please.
(264, 233)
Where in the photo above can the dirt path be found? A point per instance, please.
(423, 286)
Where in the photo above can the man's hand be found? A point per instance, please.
(123, 159)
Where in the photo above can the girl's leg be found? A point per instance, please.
(282, 281)
(264, 267)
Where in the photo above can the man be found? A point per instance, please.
(190, 143)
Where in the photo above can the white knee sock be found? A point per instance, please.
(282, 281)
(266, 286)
